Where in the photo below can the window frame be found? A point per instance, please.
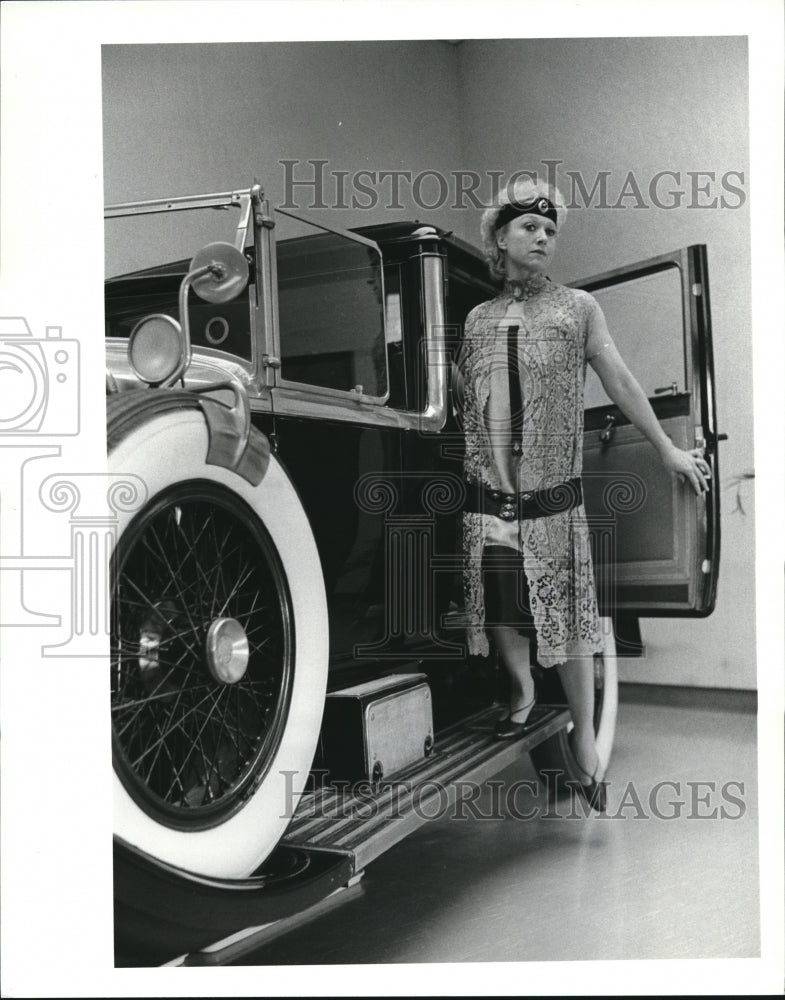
(681, 261)
(326, 393)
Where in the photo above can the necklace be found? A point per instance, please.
(521, 291)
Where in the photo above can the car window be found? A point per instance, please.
(645, 320)
(331, 309)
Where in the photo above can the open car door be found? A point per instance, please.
(656, 544)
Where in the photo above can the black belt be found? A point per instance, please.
(522, 506)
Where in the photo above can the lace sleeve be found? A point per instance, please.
(459, 362)
(597, 336)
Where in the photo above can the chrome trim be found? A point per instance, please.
(185, 325)
(434, 417)
(225, 199)
(227, 650)
(241, 236)
(350, 396)
(206, 368)
(265, 312)
(216, 340)
(298, 403)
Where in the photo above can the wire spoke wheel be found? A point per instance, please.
(201, 655)
(219, 646)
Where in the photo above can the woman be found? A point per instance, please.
(528, 569)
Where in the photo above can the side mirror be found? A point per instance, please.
(159, 348)
(226, 273)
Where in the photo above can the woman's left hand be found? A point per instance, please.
(689, 465)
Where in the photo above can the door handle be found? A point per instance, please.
(711, 444)
(609, 431)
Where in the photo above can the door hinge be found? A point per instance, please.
(706, 566)
(697, 289)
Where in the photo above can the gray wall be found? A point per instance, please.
(184, 119)
(188, 119)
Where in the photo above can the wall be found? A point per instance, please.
(189, 118)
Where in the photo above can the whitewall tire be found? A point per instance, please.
(219, 647)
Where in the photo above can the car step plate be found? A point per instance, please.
(365, 820)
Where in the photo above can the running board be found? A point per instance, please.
(363, 821)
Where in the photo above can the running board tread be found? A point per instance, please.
(367, 820)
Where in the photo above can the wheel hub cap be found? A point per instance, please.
(227, 650)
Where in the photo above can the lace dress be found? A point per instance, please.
(552, 351)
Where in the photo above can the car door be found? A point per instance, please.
(656, 544)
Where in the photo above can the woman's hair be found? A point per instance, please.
(524, 189)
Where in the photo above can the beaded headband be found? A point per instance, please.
(536, 206)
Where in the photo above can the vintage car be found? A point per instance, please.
(289, 677)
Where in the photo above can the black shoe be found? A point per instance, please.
(595, 792)
(510, 729)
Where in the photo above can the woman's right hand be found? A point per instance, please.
(689, 465)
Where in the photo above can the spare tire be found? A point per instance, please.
(219, 645)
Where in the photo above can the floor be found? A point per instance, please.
(633, 885)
